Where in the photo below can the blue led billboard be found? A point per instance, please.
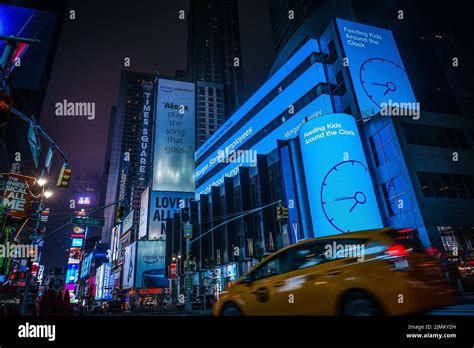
(306, 50)
(376, 68)
(340, 191)
(310, 78)
(287, 130)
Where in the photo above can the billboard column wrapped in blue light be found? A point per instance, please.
(376, 68)
(340, 191)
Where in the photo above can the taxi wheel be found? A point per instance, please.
(230, 310)
(358, 303)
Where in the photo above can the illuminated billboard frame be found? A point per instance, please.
(174, 137)
(308, 48)
(339, 186)
(305, 82)
(376, 68)
(320, 106)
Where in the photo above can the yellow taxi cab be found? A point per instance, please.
(374, 272)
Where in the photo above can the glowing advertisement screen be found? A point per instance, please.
(72, 273)
(129, 266)
(306, 50)
(289, 129)
(376, 68)
(311, 77)
(77, 242)
(340, 191)
(173, 164)
(151, 264)
(163, 205)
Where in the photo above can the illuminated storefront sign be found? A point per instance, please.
(74, 255)
(72, 273)
(173, 163)
(77, 242)
(376, 68)
(86, 265)
(340, 191)
(103, 286)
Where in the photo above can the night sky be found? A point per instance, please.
(87, 66)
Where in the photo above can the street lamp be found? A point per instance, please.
(41, 180)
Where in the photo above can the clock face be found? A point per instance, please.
(345, 192)
(384, 80)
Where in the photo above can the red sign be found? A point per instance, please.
(17, 194)
(173, 271)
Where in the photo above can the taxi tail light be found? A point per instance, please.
(432, 251)
(397, 250)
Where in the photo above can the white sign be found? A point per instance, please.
(129, 266)
(173, 163)
(143, 223)
(127, 222)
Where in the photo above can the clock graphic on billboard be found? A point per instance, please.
(344, 192)
(384, 80)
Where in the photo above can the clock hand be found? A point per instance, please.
(350, 210)
(379, 84)
(343, 198)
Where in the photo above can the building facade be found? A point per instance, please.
(214, 63)
(130, 146)
(273, 151)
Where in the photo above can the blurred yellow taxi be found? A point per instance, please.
(375, 272)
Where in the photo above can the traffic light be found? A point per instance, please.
(282, 213)
(119, 215)
(64, 176)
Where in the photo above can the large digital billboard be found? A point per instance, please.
(173, 161)
(311, 77)
(376, 68)
(273, 82)
(287, 130)
(103, 282)
(151, 264)
(340, 191)
(72, 273)
(129, 266)
(163, 205)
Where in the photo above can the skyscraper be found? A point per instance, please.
(214, 63)
(419, 179)
(126, 176)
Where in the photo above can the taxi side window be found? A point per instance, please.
(273, 267)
